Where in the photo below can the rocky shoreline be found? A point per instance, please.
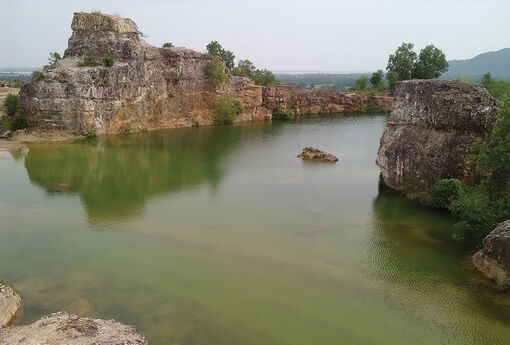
(61, 328)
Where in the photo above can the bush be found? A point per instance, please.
(215, 70)
(108, 61)
(11, 103)
(19, 123)
(445, 191)
(88, 61)
(227, 110)
(168, 45)
(37, 75)
(279, 114)
(91, 133)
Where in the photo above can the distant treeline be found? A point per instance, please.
(321, 80)
(11, 76)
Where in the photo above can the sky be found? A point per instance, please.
(281, 35)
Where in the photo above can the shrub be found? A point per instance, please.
(19, 123)
(91, 133)
(37, 75)
(227, 110)
(280, 114)
(17, 83)
(168, 45)
(88, 61)
(445, 191)
(11, 103)
(108, 61)
(215, 70)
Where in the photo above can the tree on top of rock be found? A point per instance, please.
(214, 48)
(430, 64)
(402, 61)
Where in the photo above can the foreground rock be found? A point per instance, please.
(151, 88)
(313, 154)
(493, 260)
(10, 304)
(430, 130)
(66, 329)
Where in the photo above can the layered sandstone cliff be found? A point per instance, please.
(431, 128)
(149, 87)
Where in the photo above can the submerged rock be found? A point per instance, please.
(430, 130)
(66, 329)
(313, 154)
(10, 304)
(493, 260)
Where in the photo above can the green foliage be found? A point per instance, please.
(361, 83)
(430, 64)
(402, 61)
(91, 133)
(227, 110)
(487, 81)
(392, 78)
(280, 114)
(445, 191)
(245, 68)
(141, 34)
(37, 75)
(11, 103)
(54, 57)
(19, 123)
(215, 49)
(88, 61)
(168, 45)
(499, 89)
(17, 83)
(4, 282)
(215, 71)
(377, 77)
(108, 61)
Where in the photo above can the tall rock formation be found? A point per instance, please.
(430, 130)
(149, 87)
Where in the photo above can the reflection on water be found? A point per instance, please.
(221, 235)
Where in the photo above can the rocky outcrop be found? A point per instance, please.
(430, 130)
(493, 260)
(313, 154)
(10, 304)
(150, 88)
(306, 101)
(66, 329)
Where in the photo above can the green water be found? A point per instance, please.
(220, 235)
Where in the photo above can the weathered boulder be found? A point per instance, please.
(66, 329)
(313, 154)
(306, 101)
(430, 130)
(10, 304)
(493, 260)
(151, 88)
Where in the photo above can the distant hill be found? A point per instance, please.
(497, 63)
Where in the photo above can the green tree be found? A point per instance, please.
(168, 45)
(215, 70)
(214, 48)
(54, 57)
(430, 64)
(227, 110)
(11, 103)
(402, 61)
(361, 83)
(392, 78)
(487, 81)
(377, 77)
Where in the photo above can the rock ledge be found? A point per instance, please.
(10, 303)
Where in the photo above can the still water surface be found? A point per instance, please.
(220, 235)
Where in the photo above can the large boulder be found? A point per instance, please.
(493, 260)
(430, 131)
(10, 304)
(66, 329)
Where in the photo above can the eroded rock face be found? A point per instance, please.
(430, 130)
(493, 260)
(10, 304)
(151, 88)
(305, 101)
(66, 329)
(314, 154)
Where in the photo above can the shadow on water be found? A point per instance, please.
(116, 175)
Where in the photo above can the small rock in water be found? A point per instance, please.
(5, 134)
(311, 153)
